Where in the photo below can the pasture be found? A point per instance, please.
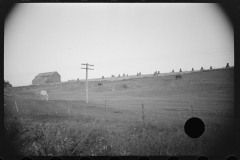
(66, 125)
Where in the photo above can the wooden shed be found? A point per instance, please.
(46, 78)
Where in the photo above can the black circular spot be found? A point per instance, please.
(194, 127)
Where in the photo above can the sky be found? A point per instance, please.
(116, 38)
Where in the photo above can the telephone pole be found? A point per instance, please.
(87, 79)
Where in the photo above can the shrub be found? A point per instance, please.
(7, 84)
(227, 65)
(155, 73)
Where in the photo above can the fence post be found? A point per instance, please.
(105, 109)
(192, 109)
(85, 109)
(144, 125)
(16, 106)
(143, 116)
(67, 106)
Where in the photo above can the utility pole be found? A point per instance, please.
(87, 79)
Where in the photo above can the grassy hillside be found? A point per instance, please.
(72, 127)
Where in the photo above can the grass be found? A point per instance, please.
(125, 86)
(47, 129)
(80, 135)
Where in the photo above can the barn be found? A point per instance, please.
(47, 78)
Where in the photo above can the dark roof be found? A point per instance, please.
(45, 74)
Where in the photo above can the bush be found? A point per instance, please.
(227, 65)
(7, 84)
(155, 73)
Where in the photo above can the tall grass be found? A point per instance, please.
(85, 135)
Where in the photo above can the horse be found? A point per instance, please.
(44, 95)
(100, 84)
(178, 77)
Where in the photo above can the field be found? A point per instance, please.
(66, 125)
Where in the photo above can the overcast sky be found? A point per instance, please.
(116, 38)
